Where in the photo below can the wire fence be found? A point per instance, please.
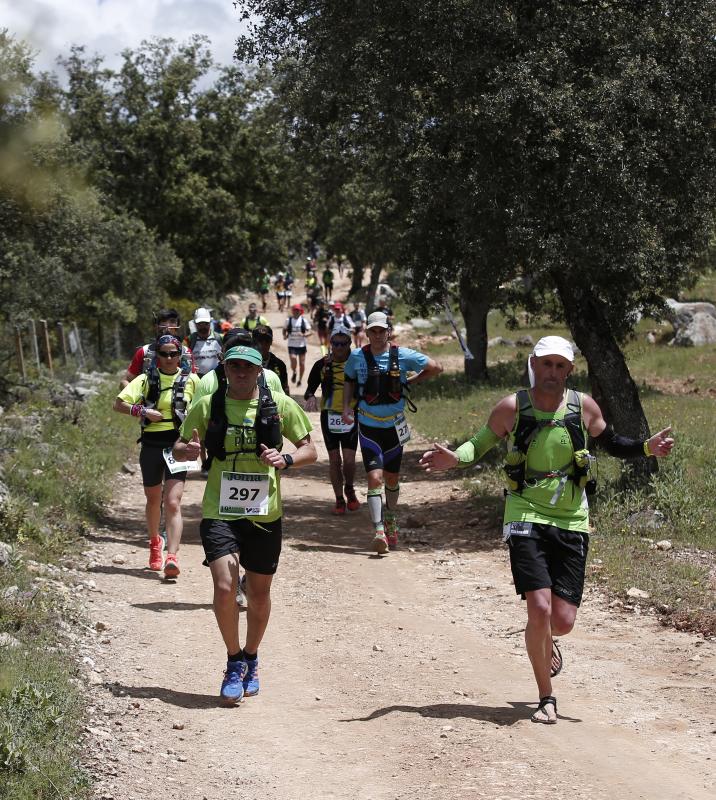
(42, 347)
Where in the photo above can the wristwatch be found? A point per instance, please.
(288, 459)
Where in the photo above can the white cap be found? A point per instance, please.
(550, 346)
(377, 320)
(340, 330)
(202, 315)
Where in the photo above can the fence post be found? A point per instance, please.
(63, 342)
(35, 348)
(20, 354)
(48, 350)
(81, 354)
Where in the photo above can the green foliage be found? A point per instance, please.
(570, 146)
(63, 252)
(41, 708)
(211, 170)
(45, 508)
(41, 715)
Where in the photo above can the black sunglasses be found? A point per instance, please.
(171, 354)
(340, 344)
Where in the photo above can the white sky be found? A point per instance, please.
(109, 26)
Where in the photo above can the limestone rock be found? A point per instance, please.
(8, 641)
(650, 519)
(500, 340)
(694, 323)
(5, 552)
(637, 593)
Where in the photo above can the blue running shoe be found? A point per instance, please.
(232, 687)
(251, 678)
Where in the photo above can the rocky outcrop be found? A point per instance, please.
(694, 323)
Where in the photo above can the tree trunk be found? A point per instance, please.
(356, 278)
(375, 271)
(475, 305)
(612, 384)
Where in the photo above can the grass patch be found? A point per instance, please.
(59, 462)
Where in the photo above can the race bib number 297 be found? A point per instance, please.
(244, 494)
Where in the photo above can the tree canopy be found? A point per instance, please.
(571, 143)
(207, 164)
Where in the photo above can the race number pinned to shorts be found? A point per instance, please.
(175, 466)
(244, 493)
(402, 429)
(516, 529)
(337, 425)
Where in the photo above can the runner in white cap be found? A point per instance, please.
(377, 376)
(546, 521)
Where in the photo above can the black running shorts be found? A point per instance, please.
(380, 448)
(550, 558)
(298, 351)
(259, 548)
(348, 441)
(154, 467)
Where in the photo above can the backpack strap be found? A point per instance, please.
(215, 437)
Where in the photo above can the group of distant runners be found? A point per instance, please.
(223, 401)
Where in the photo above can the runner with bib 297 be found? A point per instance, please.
(242, 426)
(378, 375)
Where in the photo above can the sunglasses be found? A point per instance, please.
(170, 354)
(340, 344)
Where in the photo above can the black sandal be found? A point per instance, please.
(556, 660)
(546, 701)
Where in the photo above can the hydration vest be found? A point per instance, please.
(527, 426)
(327, 378)
(291, 328)
(267, 423)
(154, 391)
(194, 338)
(382, 388)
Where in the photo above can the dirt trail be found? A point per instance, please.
(381, 677)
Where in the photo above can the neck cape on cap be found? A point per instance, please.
(550, 346)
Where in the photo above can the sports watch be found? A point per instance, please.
(288, 459)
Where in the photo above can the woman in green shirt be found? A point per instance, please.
(160, 398)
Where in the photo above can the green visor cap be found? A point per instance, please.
(243, 353)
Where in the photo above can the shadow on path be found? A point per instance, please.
(169, 696)
(161, 605)
(500, 715)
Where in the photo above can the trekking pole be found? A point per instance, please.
(20, 354)
(48, 351)
(463, 345)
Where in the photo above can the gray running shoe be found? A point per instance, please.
(241, 600)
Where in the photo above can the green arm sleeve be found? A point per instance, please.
(474, 449)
